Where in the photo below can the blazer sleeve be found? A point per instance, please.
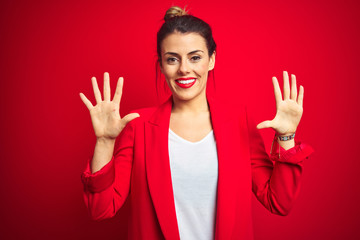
(276, 177)
(106, 190)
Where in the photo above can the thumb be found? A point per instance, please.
(129, 117)
(264, 124)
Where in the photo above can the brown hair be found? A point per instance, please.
(177, 19)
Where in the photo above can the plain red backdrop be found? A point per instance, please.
(50, 50)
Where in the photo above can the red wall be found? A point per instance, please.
(49, 51)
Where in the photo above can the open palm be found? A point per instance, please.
(105, 115)
(288, 110)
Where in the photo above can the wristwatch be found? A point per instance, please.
(286, 138)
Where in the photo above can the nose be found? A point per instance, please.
(184, 67)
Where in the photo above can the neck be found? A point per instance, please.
(198, 104)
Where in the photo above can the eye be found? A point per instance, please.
(171, 60)
(195, 58)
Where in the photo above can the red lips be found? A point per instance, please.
(185, 82)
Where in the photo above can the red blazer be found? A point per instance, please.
(140, 170)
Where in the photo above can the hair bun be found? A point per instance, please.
(175, 11)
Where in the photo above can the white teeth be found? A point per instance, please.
(186, 81)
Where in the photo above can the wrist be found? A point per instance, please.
(105, 141)
(286, 145)
(285, 136)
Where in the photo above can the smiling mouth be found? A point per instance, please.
(185, 82)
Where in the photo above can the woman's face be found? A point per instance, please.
(185, 62)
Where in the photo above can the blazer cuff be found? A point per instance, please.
(100, 180)
(293, 155)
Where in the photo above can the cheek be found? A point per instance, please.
(202, 69)
(169, 72)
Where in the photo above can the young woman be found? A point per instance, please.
(189, 165)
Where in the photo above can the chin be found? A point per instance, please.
(187, 96)
(182, 97)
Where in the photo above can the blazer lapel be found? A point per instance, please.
(158, 169)
(230, 141)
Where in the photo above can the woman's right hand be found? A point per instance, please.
(105, 116)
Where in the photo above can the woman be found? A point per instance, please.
(189, 166)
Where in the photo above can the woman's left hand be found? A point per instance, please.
(289, 110)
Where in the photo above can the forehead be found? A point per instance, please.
(183, 43)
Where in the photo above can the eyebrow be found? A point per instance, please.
(176, 54)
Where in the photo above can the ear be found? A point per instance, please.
(212, 61)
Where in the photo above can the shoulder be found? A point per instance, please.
(145, 114)
(137, 123)
(152, 114)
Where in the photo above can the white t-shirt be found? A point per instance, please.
(194, 173)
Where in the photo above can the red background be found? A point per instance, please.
(49, 51)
